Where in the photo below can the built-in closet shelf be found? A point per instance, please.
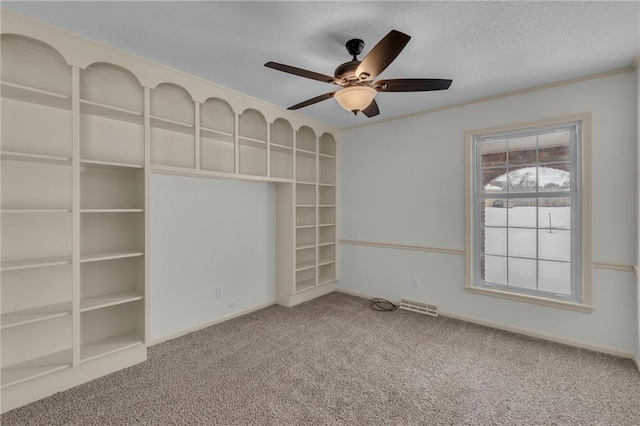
(26, 370)
(11, 211)
(97, 257)
(305, 152)
(40, 313)
(301, 182)
(304, 246)
(326, 155)
(252, 141)
(34, 263)
(183, 171)
(304, 226)
(172, 125)
(111, 210)
(331, 185)
(108, 111)
(23, 93)
(110, 164)
(324, 281)
(279, 147)
(326, 262)
(326, 206)
(106, 300)
(214, 132)
(34, 158)
(326, 224)
(305, 285)
(305, 205)
(302, 266)
(326, 244)
(107, 346)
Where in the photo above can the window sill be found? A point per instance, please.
(572, 306)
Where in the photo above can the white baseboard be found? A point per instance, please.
(545, 336)
(210, 323)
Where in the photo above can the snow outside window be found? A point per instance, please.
(527, 212)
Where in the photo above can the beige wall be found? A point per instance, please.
(403, 182)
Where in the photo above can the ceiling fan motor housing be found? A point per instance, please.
(347, 72)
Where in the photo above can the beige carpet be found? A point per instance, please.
(335, 361)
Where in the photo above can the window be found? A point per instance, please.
(526, 236)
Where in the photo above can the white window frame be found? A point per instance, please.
(581, 168)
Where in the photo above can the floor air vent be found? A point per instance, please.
(421, 308)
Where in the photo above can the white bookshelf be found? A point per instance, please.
(78, 144)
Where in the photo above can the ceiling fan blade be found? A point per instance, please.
(382, 54)
(301, 72)
(411, 85)
(372, 110)
(313, 101)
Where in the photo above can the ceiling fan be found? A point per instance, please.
(355, 77)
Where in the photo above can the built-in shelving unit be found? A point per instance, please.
(35, 211)
(217, 136)
(172, 127)
(79, 139)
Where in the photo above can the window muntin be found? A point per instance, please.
(527, 212)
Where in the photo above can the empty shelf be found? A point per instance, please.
(305, 265)
(111, 210)
(106, 300)
(35, 211)
(305, 285)
(34, 158)
(34, 263)
(108, 111)
(40, 313)
(110, 164)
(109, 345)
(96, 257)
(23, 93)
(17, 373)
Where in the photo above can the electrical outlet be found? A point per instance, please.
(219, 292)
(415, 282)
(232, 303)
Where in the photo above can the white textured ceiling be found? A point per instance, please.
(487, 48)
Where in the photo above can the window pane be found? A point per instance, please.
(554, 244)
(555, 277)
(495, 212)
(522, 150)
(522, 179)
(522, 242)
(554, 146)
(522, 273)
(493, 153)
(494, 180)
(554, 213)
(495, 241)
(522, 212)
(495, 270)
(554, 177)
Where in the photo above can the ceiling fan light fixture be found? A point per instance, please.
(355, 98)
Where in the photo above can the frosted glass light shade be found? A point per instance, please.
(355, 98)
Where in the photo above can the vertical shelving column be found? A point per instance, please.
(36, 202)
(217, 152)
(305, 217)
(326, 209)
(112, 215)
(281, 149)
(172, 127)
(252, 140)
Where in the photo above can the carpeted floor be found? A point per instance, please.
(335, 361)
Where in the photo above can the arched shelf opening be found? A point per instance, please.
(33, 64)
(306, 149)
(217, 136)
(111, 115)
(327, 161)
(36, 87)
(172, 126)
(281, 138)
(252, 140)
